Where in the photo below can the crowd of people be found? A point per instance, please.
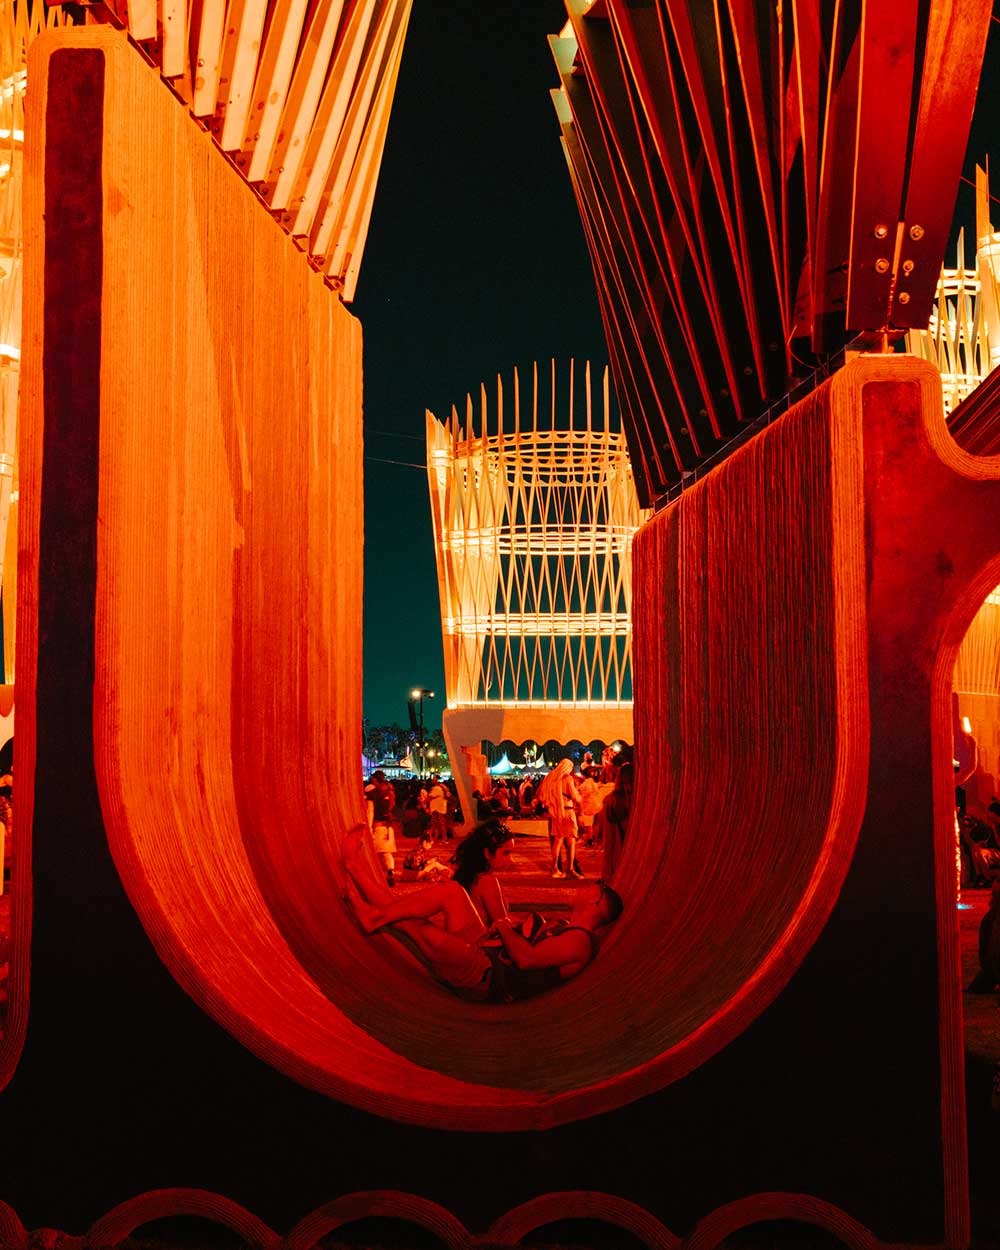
(591, 806)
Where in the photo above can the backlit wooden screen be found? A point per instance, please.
(534, 513)
(963, 336)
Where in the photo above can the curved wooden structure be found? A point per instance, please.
(234, 567)
(190, 633)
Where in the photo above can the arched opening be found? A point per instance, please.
(976, 762)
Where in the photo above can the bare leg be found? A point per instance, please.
(446, 898)
(372, 887)
(557, 844)
(570, 854)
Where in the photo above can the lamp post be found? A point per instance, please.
(417, 696)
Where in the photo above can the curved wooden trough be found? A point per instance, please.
(212, 386)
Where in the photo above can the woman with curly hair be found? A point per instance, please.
(485, 852)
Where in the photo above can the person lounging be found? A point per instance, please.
(444, 926)
(487, 850)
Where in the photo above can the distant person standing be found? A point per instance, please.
(381, 799)
(562, 801)
(615, 817)
(437, 805)
(591, 802)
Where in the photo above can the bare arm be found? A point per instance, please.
(561, 951)
(491, 894)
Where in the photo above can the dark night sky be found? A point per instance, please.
(475, 262)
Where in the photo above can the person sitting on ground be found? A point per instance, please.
(486, 851)
(520, 967)
(419, 865)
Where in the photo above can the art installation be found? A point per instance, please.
(226, 1044)
(533, 525)
(757, 185)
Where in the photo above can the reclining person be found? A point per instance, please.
(522, 965)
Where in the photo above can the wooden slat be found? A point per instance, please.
(209, 58)
(640, 213)
(173, 31)
(333, 107)
(274, 74)
(241, 65)
(833, 215)
(325, 233)
(953, 53)
(888, 33)
(369, 164)
(750, 45)
(142, 19)
(303, 97)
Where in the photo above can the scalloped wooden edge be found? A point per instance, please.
(509, 1229)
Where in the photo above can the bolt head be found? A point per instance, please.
(881, 265)
(907, 266)
(904, 297)
(881, 231)
(916, 232)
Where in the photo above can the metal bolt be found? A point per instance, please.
(916, 232)
(907, 266)
(881, 231)
(904, 297)
(881, 265)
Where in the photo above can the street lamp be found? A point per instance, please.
(417, 696)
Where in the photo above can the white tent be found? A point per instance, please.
(503, 765)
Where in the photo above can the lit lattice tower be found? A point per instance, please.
(533, 523)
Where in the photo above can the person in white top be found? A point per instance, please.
(437, 805)
(591, 800)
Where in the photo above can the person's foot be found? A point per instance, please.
(575, 871)
(390, 879)
(558, 872)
